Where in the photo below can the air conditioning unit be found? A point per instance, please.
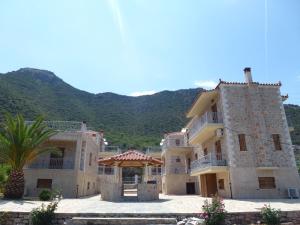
(293, 193)
(220, 132)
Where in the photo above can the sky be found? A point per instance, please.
(136, 47)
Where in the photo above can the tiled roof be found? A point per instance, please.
(131, 155)
(243, 83)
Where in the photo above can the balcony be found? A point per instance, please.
(209, 163)
(204, 127)
(52, 163)
(175, 170)
(175, 143)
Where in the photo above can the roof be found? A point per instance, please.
(205, 95)
(131, 158)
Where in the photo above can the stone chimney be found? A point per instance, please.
(248, 76)
(83, 126)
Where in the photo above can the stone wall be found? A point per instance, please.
(147, 192)
(245, 218)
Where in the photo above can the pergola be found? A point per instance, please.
(131, 158)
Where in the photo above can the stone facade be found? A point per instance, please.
(239, 142)
(74, 173)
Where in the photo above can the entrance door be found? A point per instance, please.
(208, 185)
(218, 150)
(214, 110)
(190, 188)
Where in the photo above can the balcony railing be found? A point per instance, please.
(174, 143)
(109, 148)
(153, 149)
(53, 163)
(208, 160)
(175, 170)
(199, 123)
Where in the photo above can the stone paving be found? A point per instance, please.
(166, 204)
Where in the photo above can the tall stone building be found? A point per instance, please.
(237, 144)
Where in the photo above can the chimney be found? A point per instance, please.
(248, 76)
(83, 126)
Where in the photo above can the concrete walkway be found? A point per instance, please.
(166, 204)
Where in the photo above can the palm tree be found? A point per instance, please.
(20, 144)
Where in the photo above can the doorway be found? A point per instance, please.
(208, 185)
(190, 188)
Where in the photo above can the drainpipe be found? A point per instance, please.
(230, 185)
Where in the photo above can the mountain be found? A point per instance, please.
(127, 121)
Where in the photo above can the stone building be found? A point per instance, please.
(237, 144)
(73, 169)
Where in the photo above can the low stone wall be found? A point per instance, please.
(147, 192)
(244, 218)
(111, 191)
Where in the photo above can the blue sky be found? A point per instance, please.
(137, 46)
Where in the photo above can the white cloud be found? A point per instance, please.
(117, 15)
(206, 84)
(140, 93)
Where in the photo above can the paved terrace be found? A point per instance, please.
(166, 204)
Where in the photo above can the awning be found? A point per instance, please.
(131, 158)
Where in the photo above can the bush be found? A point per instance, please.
(44, 215)
(214, 213)
(45, 195)
(270, 216)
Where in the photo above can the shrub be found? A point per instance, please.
(270, 216)
(45, 195)
(44, 215)
(213, 213)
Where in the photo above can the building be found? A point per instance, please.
(73, 169)
(237, 144)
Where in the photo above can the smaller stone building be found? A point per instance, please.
(73, 169)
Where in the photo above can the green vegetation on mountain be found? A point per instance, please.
(127, 121)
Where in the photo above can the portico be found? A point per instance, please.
(113, 190)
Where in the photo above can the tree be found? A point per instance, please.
(20, 144)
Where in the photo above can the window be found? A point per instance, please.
(109, 170)
(177, 142)
(205, 152)
(90, 159)
(196, 156)
(266, 182)
(44, 183)
(58, 154)
(88, 185)
(242, 142)
(178, 159)
(221, 184)
(277, 142)
(189, 163)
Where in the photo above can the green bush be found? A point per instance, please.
(45, 195)
(214, 213)
(44, 215)
(270, 216)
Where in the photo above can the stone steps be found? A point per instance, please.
(121, 221)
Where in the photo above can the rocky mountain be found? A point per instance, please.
(127, 121)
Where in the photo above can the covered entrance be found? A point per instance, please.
(146, 189)
(208, 185)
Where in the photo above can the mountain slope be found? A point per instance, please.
(127, 121)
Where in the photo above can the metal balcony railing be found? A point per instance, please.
(175, 170)
(174, 142)
(52, 163)
(208, 160)
(109, 148)
(199, 123)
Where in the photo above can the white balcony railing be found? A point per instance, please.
(208, 160)
(199, 123)
(174, 143)
(52, 163)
